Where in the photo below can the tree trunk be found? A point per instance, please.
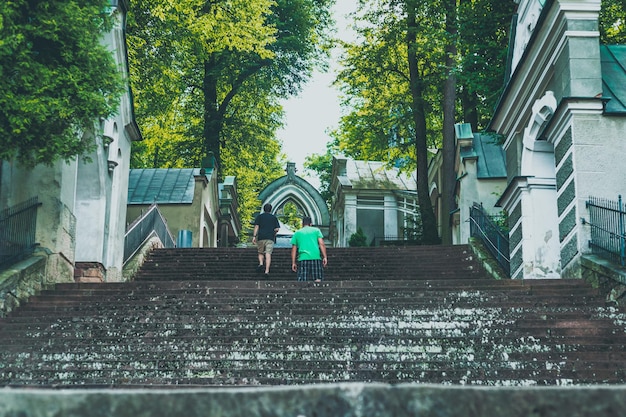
(429, 222)
(469, 102)
(213, 117)
(448, 203)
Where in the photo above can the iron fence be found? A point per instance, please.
(150, 223)
(606, 220)
(495, 239)
(18, 225)
(395, 241)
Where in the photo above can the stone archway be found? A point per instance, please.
(293, 189)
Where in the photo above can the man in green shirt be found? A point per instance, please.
(307, 244)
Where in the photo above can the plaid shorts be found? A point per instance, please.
(310, 270)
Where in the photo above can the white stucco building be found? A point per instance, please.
(81, 220)
(562, 120)
(382, 201)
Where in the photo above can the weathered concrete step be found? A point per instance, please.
(408, 311)
(328, 276)
(401, 312)
(255, 377)
(487, 289)
(417, 317)
(270, 285)
(427, 252)
(582, 354)
(268, 365)
(535, 353)
(294, 285)
(355, 296)
(16, 329)
(133, 334)
(505, 342)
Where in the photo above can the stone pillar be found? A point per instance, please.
(391, 217)
(349, 219)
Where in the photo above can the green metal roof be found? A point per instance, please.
(614, 77)
(162, 186)
(489, 155)
(491, 158)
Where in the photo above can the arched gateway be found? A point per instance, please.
(293, 189)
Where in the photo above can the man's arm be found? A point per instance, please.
(294, 252)
(322, 245)
(255, 233)
(276, 225)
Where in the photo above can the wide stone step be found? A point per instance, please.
(453, 262)
(251, 376)
(203, 317)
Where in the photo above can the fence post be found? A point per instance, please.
(621, 231)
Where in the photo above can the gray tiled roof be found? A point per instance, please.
(374, 175)
(162, 186)
(614, 77)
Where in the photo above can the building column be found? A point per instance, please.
(349, 219)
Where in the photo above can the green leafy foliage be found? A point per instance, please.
(290, 216)
(208, 77)
(358, 239)
(613, 22)
(484, 27)
(56, 77)
(411, 57)
(322, 165)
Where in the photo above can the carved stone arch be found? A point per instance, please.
(542, 112)
(301, 210)
(306, 198)
(538, 155)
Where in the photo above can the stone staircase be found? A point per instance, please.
(202, 317)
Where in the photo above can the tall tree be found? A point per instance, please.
(56, 77)
(416, 81)
(200, 55)
(484, 27)
(431, 59)
(209, 76)
(392, 83)
(449, 119)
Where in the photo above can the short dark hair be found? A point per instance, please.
(306, 220)
(267, 208)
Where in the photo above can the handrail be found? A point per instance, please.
(494, 239)
(18, 226)
(148, 224)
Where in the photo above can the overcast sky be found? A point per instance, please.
(315, 111)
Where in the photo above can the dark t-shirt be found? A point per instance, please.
(267, 222)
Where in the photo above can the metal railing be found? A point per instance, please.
(607, 219)
(395, 241)
(493, 237)
(18, 225)
(150, 223)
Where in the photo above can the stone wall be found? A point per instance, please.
(609, 278)
(336, 400)
(21, 281)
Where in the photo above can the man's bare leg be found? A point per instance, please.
(268, 262)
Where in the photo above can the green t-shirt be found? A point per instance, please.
(306, 241)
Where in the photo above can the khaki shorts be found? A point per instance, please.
(265, 246)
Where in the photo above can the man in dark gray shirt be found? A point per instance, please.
(266, 226)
